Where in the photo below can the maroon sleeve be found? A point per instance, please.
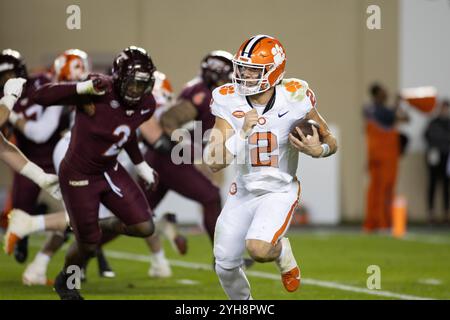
(199, 96)
(132, 148)
(52, 94)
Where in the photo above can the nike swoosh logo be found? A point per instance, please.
(145, 111)
(282, 114)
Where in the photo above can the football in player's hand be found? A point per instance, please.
(305, 126)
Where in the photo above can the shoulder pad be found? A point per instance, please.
(225, 94)
(294, 89)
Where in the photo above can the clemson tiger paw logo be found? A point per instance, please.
(226, 90)
(278, 55)
(292, 86)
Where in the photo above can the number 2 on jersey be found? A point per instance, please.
(123, 131)
(265, 143)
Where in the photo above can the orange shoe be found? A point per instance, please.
(286, 263)
(291, 279)
(10, 242)
(18, 227)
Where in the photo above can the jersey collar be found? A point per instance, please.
(269, 104)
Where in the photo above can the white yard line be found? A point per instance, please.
(267, 275)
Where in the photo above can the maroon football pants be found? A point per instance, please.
(189, 182)
(115, 189)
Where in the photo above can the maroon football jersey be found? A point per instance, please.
(40, 153)
(97, 139)
(200, 96)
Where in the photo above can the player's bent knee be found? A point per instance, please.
(259, 250)
(225, 273)
(144, 229)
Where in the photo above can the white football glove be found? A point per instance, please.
(97, 85)
(147, 174)
(48, 182)
(12, 92)
(87, 87)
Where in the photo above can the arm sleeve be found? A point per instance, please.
(56, 94)
(41, 130)
(132, 149)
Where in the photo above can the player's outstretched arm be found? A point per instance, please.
(68, 93)
(19, 163)
(217, 155)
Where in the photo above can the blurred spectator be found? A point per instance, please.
(437, 136)
(383, 152)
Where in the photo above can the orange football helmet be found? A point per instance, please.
(258, 65)
(72, 65)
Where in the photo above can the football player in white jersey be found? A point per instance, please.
(254, 117)
(12, 90)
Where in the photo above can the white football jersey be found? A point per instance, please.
(270, 160)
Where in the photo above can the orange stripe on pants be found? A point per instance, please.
(288, 218)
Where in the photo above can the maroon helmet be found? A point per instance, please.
(216, 68)
(11, 60)
(133, 75)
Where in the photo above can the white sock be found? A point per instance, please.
(286, 260)
(42, 260)
(37, 223)
(282, 252)
(159, 256)
(234, 283)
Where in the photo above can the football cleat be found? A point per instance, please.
(63, 291)
(35, 275)
(291, 279)
(168, 227)
(104, 269)
(290, 273)
(159, 269)
(19, 227)
(21, 250)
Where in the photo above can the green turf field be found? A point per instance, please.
(333, 266)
